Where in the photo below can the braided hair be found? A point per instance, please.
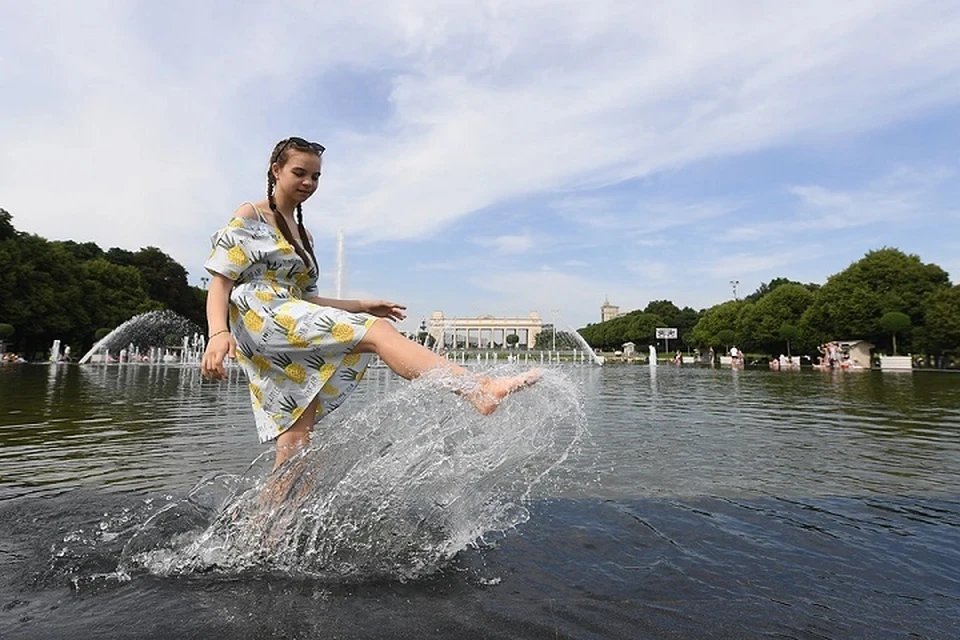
(279, 156)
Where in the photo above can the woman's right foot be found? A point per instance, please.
(492, 391)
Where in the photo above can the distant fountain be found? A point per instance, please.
(338, 273)
(55, 351)
(597, 359)
(149, 333)
(653, 356)
(193, 348)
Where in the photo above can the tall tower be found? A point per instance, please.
(608, 311)
(338, 269)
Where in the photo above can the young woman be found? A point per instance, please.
(304, 354)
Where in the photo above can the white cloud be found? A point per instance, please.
(539, 113)
(744, 263)
(446, 265)
(509, 244)
(651, 271)
(574, 300)
(902, 197)
(144, 123)
(573, 297)
(636, 218)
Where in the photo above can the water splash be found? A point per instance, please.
(393, 491)
(145, 330)
(587, 349)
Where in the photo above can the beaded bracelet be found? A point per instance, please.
(212, 336)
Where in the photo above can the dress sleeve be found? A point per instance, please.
(231, 250)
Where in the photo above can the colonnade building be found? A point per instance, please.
(483, 332)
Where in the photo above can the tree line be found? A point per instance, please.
(77, 292)
(889, 298)
(639, 326)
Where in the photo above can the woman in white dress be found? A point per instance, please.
(303, 354)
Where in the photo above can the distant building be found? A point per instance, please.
(608, 311)
(483, 332)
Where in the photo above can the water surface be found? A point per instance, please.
(698, 503)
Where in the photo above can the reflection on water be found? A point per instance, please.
(691, 432)
(654, 431)
(698, 503)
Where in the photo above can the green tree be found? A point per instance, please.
(114, 293)
(165, 280)
(603, 335)
(724, 316)
(7, 231)
(769, 287)
(669, 315)
(665, 310)
(122, 257)
(759, 323)
(724, 338)
(788, 333)
(942, 314)
(639, 326)
(894, 322)
(685, 322)
(83, 250)
(850, 302)
(6, 330)
(64, 290)
(39, 292)
(512, 340)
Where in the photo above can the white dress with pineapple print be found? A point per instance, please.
(292, 350)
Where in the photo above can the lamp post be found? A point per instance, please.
(204, 280)
(734, 283)
(554, 312)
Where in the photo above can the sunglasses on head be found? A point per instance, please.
(299, 142)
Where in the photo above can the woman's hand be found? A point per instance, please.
(219, 347)
(383, 309)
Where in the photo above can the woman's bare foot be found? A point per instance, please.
(493, 390)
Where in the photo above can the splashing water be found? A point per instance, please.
(393, 491)
(587, 349)
(145, 330)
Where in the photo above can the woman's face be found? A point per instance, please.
(299, 177)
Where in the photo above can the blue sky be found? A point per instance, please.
(499, 157)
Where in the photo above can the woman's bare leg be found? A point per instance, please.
(296, 437)
(289, 443)
(410, 359)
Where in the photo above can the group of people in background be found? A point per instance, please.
(736, 357)
(832, 356)
(785, 362)
(10, 357)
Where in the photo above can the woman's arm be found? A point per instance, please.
(218, 303)
(379, 308)
(220, 343)
(351, 306)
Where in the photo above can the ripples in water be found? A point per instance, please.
(392, 491)
(702, 503)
